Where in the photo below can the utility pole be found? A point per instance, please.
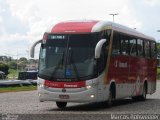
(158, 40)
(113, 14)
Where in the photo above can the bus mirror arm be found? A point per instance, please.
(98, 48)
(33, 48)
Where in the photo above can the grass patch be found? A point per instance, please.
(158, 73)
(12, 74)
(17, 88)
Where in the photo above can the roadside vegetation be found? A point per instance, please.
(158, 73)
(17, 88)
(13, 74)
(11, 67)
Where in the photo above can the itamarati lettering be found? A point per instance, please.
(71, 86)
(120, 64)
(123, 65)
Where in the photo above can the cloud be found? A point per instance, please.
(31, 17)
(19, 28)
(128, 18)
(9, 24)
(24, 22)
(152, 3)
(12, 31)
(148, 16)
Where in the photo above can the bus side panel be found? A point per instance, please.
(138, 73)
(118, 71)
(152, 72)
(129, 74)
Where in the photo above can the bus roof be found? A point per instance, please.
(74, 27)
(120, 28)
(89, 26)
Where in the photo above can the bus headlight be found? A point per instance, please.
(41, 85)
(91, 86)
(88, 87)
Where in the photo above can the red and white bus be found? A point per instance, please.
(93, 61)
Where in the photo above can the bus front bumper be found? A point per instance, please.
(80, 96)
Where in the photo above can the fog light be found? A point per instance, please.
(92, 96)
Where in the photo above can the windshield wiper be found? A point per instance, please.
(60, 63)
(71, 62)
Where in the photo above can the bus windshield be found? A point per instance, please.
(67, 57)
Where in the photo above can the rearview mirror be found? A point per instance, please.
(33, 48)
(99, 48)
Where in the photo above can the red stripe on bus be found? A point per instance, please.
(53, 84)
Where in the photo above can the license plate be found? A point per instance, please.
(64, 96)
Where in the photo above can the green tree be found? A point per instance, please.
(158, 48)
(23, 59)
(13, 65)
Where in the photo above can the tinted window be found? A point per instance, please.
(140, 47)
(124, 45)
(133, 47)
(153, 49)
(147, 49)
(116, 44)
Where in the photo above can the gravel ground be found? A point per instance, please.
(27, 106)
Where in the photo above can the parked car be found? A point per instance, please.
(27, 75)
(2, 75)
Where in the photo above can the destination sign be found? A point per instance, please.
(60, 37)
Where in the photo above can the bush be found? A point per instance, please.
(13, 65)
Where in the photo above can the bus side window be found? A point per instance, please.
(133, 47)
(147, 49)
(124, 45)
(153, 49)
(140, 47)
(116, 44)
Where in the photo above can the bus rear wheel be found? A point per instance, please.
(61, 104)
(144, 93)
(143, 96)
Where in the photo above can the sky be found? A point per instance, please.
(22, 22)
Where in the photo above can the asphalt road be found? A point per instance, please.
(25, 105)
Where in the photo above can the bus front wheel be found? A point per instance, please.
(110, 99)
(61, 104)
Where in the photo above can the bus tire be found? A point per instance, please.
(110, 99)
(144, 93)
(112, 95)
(135, 98)
(61, 104)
